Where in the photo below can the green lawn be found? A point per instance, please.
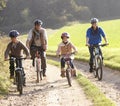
(78, 34)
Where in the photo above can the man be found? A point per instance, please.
(37, 38)
(93, 36)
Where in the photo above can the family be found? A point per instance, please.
(38, 39)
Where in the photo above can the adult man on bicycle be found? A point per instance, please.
(37, 38)
(93, 37)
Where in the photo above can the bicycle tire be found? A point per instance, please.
(68, 75)
(37, 70)
(20, 82)
(41, 73)
(99, 70)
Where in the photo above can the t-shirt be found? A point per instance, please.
(95, 36)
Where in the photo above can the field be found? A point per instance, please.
(4, 73)
(78, 35)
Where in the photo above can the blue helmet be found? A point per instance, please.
(94, 20)
(38, 22)
(13, 33)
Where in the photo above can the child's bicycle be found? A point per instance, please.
(19, 79)
(37, 63)
(67, 58)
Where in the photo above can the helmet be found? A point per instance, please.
(38, 22)
(13, 33)
(94, 20)
(65, 34)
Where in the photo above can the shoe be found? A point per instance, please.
(91, 70)
(44, 75)
(62, 72)
(74, 73)
(11, 76)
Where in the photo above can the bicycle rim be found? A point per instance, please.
(99, 70)
(68, 75)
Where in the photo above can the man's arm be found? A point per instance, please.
(45, 39)
(29, 39)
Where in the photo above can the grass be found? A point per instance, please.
(78, 34)
(4, 73)
(91, 91)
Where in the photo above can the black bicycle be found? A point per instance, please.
(98, 61)
(19, 79)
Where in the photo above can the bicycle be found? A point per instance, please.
(97, 61)
(19, 79)
(37, 63)
(67, 58)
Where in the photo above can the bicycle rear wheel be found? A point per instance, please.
(20, 82)
(37, 70)
(68, 75)
(99, 69)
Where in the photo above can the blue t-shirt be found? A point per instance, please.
(95, 36)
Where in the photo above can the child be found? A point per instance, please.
(14, 49)
(64, 48)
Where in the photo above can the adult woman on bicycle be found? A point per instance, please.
(66, 48)
(93, 37)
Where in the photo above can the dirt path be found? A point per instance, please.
(110, 85)
(51, 91)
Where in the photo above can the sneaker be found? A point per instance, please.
(91, 70)
(44, 75)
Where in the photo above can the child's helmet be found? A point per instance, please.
(65, 34)
(13, 33)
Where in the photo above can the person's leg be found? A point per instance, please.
(12, 68)
(91, 58)
(43, 63)
(62, 68)
(73, 68)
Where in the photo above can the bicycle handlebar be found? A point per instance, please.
(96, 45)
(14, 58)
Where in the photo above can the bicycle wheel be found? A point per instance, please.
(68, 75)
(41, 73)
(37, 70)
(99, 69)
(20, 82)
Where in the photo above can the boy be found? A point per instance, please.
(14, 49)
(64, 48)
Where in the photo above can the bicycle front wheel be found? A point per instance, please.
(99, 69)
(20, 82)
(68, 75)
